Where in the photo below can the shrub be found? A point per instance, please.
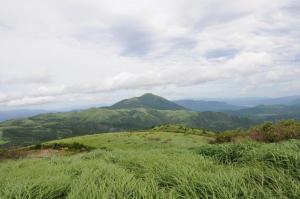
(269, 132)
(75, 146)
(228, 136)
(227, 153)
(37, 146)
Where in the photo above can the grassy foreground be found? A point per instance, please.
(157, 165)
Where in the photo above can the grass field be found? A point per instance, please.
(157, 165)
(139, 140)
(2, 141)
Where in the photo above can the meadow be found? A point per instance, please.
(156, 164)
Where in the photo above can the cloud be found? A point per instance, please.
(16, 78)
(221, 53)
(29, 101)
(134, 39)
(56, 50)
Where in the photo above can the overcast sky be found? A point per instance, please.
(71, 52)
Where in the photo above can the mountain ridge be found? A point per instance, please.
(269, 112)
(203, 105)
(52, 126)
(148, 100)
(20, 113)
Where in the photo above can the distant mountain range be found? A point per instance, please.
(253, 101)
(201, 105)
(224, 105)
(17, 114)
(269, 112)
(139, 113)
(131, 114)
(155, 102)
(261, 109)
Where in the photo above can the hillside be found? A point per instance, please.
(148, 101)
(201, 105)
(270, 112)
(295, 102)
(153, 164)
(60, 125)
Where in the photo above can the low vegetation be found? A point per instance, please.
(229, 136)
(44, 150)
(182, 129)
(267, 132)
(75, 146)
(156, 164)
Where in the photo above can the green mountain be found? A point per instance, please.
(148, 101)
(60, 125)
(270, 112)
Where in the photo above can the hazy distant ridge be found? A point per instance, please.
(201, 105)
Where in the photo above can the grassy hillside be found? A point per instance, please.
(147, 100)
(60, 125)
(157, 165)
(138, 140)
(270, 112)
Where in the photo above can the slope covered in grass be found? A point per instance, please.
(2, 141)
(157, 165)
(60, 125)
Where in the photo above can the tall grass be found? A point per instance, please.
(248, 170)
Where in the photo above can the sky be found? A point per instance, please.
(59, 53)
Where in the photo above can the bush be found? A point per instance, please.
(269, 132)
(37, 146)
(75, 146)
(227, 153)
(228, 136)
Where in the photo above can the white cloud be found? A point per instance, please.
(29, 101)
(52, 50)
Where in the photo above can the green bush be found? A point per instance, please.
(269, 132)
(228, 136)
(75, 146)
(227, 153)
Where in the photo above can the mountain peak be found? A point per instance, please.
(148, 100)
(149, 95)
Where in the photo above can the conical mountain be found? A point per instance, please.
(148, 101)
